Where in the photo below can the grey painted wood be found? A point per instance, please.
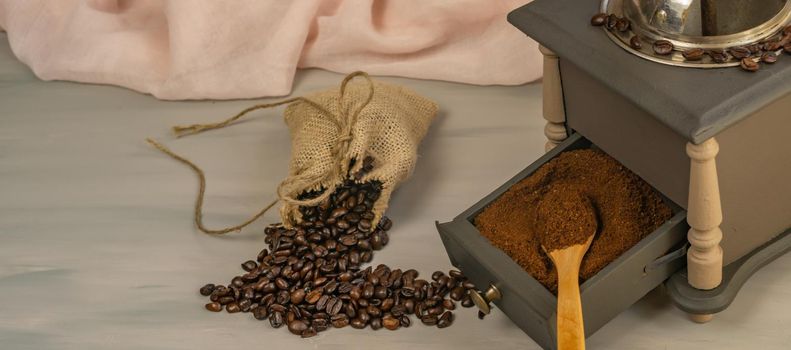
(97, 248)
(695, 103)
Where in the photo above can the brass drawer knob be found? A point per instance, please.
(482, 300)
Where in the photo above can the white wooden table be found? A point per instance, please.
(98, 250)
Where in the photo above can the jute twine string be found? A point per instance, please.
(288, 189)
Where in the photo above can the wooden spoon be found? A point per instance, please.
(571, 332)
(568, 222)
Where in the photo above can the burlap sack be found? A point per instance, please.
(386, 122)
(330, 128)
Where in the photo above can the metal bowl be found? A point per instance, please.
(705, 24)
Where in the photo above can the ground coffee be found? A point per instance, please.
(627, 209)
(565, 218)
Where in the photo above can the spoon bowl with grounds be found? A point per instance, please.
(567, 221)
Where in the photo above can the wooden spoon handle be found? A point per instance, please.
(571, 332)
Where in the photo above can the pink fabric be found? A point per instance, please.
(190, 49)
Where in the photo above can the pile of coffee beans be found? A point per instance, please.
(749, 57)
(311, 277)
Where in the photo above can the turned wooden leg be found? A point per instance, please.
(704, 215)
(554, 111)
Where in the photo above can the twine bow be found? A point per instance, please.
(291, 187)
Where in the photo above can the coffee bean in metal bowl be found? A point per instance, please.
(769, 57)
(635, 43)
(663, 47)
(599, 19)
(693, 54)
(748, 64)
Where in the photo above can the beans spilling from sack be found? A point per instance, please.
(311, 277)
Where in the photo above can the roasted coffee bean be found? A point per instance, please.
(405, 321)
(429, 320)
(345, 288)
(336, 308)
(338, 212)
(249, 265)
(233, 308)
(635, 43)
(220, 291)
(436, 275)
(391, 323)
(340, 321)
(387, 304)
(364, 225)
(207, 289)
(376, 323)
(358, 323)
(773, 45)
(214, 307)
(237, 281)
(310, 276)
(348, 240)
(787, 48)
(263, 254)
(693, 54)
(749, 65)
(276, 319)
(718, 56)
(277, 308)
(297, 327)
(467, 301)
(269, 287)
(248, 293)
(298, 296)
(318, 282)
(355, 293)
(283, 297)
(481, 315)
(599, 19)
(398, 310)
(385, 223)
(457, 293)
(310, 332)
(436, 310)
(322, 303)
(445, 320)
(445, 282)
(740, 52)
(313, 296)
(623, 25)
(612, 21)
(381, 292)
(363, 315)
(291, 316)
(663, 47)
(260, 313)
(368, 291)
(754, 48)
(373, 311)
(350, 310)
(769, 57)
